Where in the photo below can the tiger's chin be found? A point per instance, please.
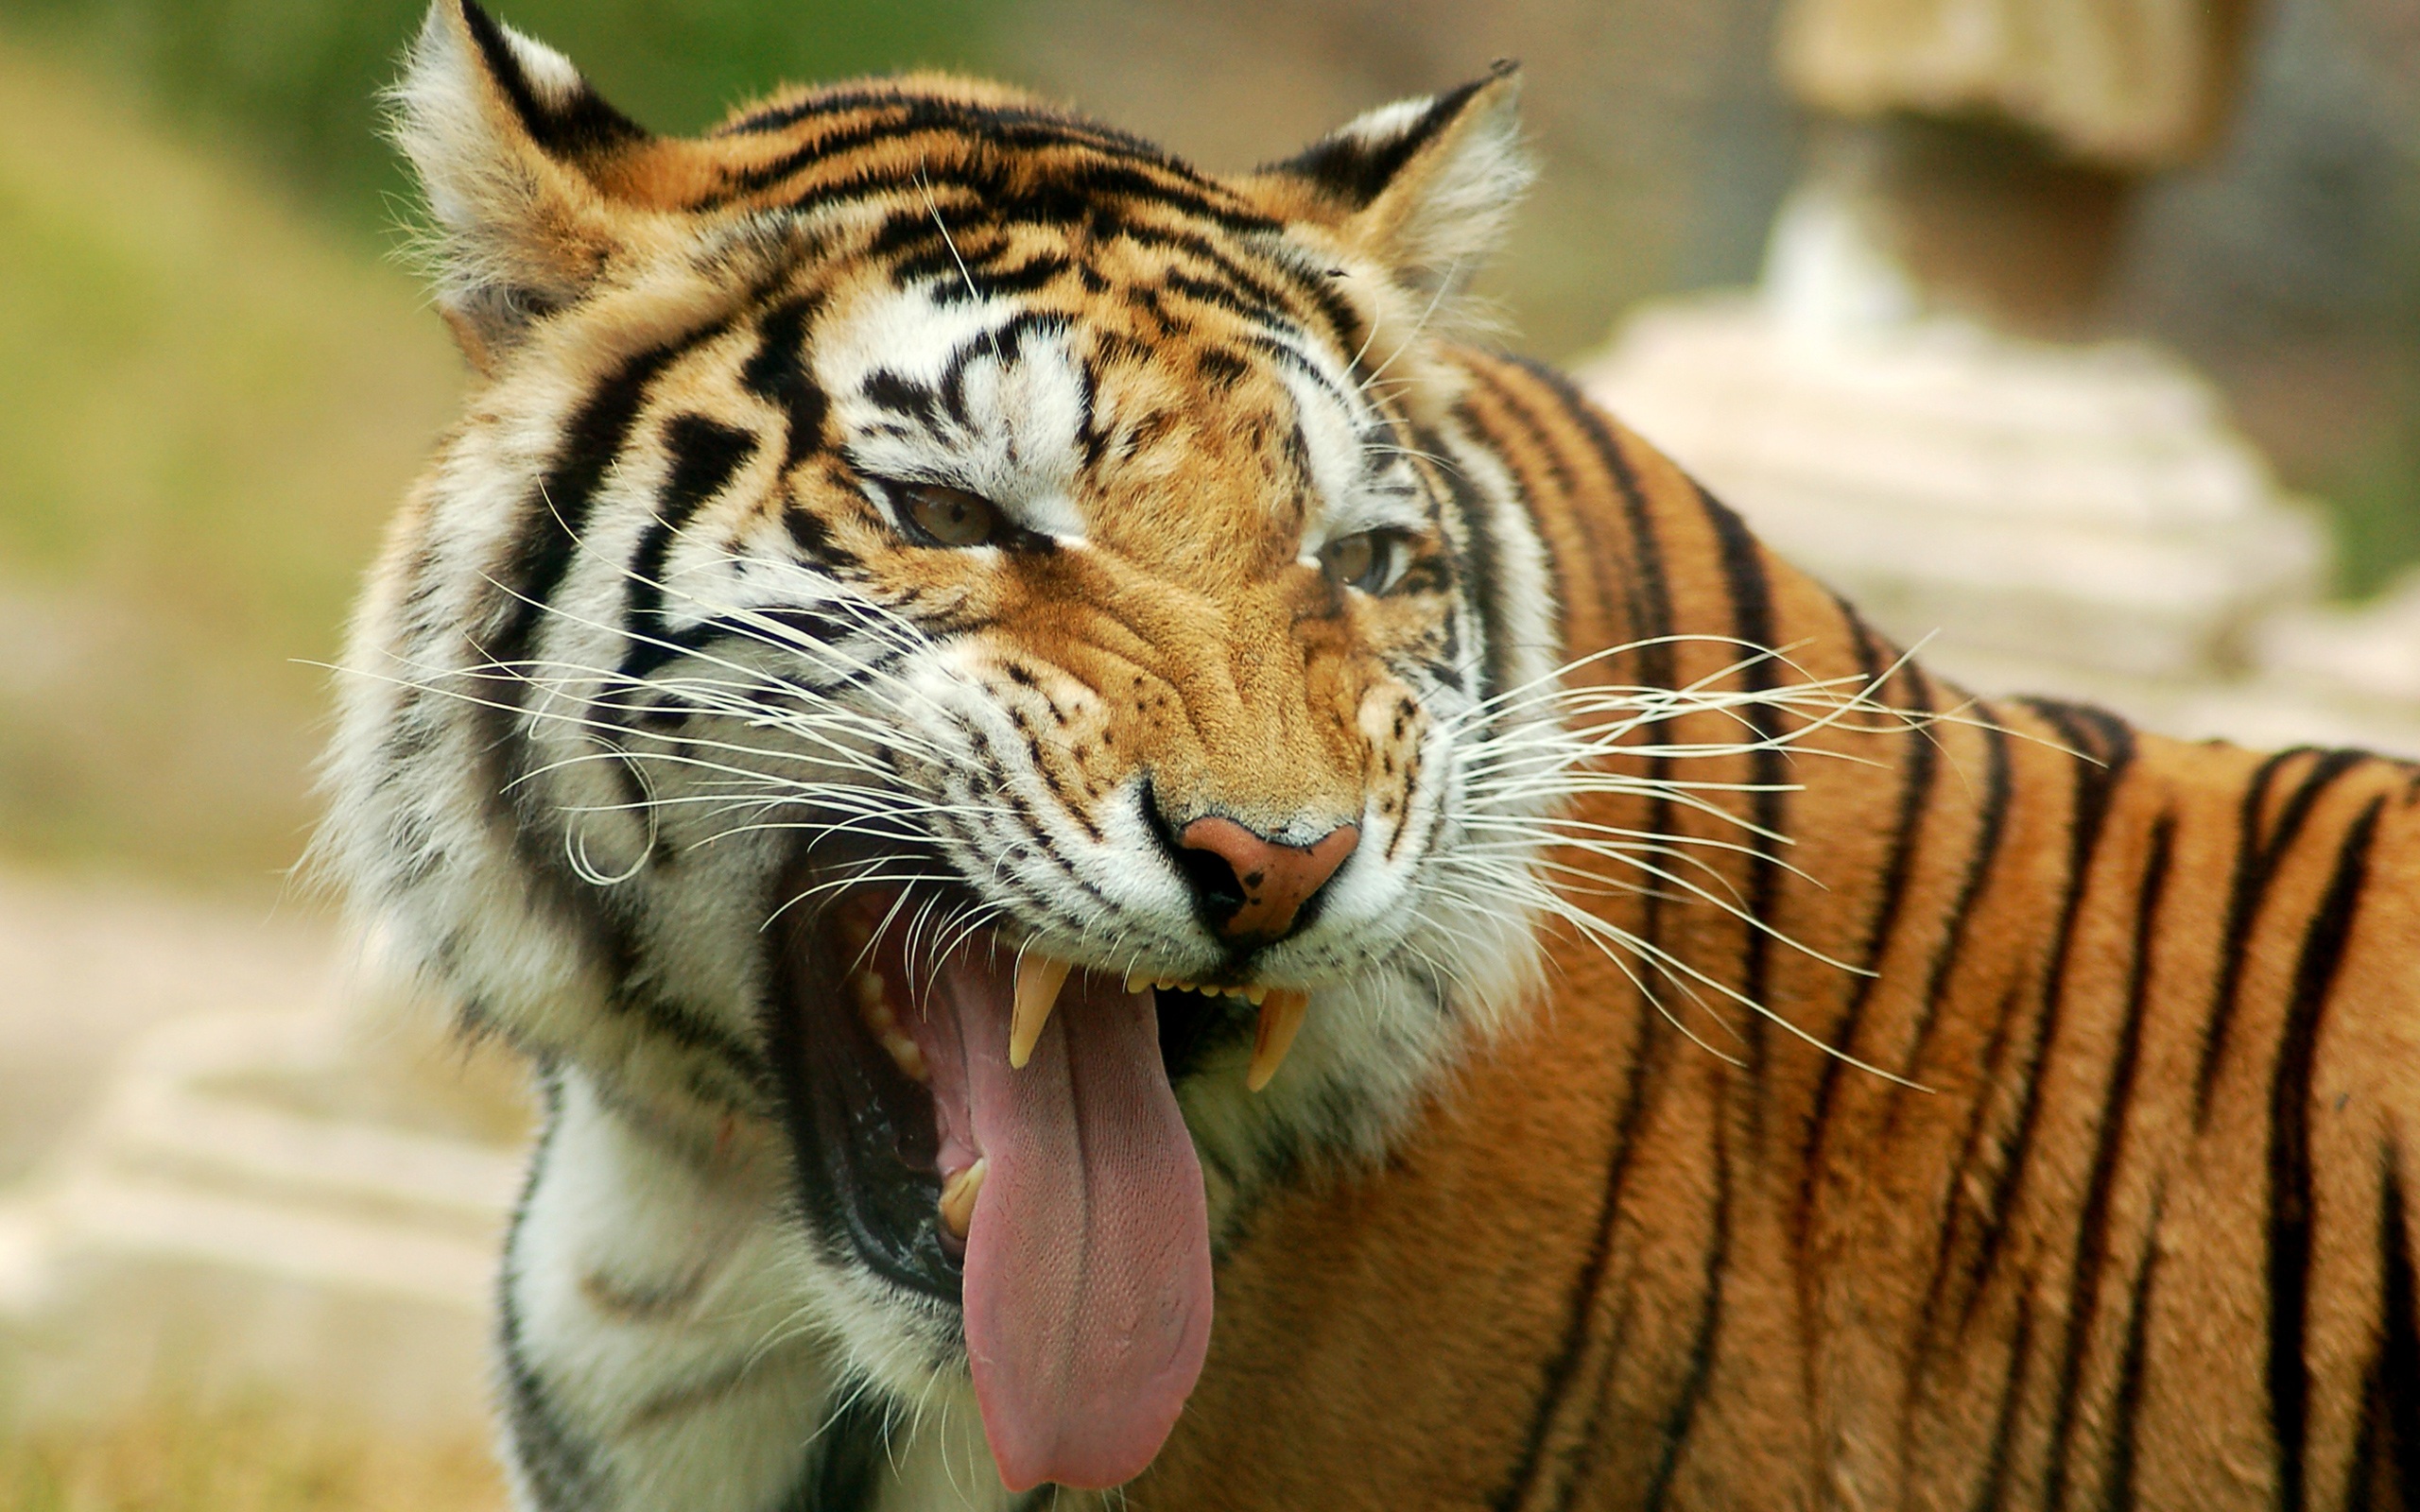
(994, 1139)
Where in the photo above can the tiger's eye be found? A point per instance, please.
(1364, 560)
(949, 517)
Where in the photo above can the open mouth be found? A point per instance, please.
(999, 1131)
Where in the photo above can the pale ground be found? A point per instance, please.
(86, 965)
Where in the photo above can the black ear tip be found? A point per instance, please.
(1496, 67)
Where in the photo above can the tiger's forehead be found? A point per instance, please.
(1094, 386)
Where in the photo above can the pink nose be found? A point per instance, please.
(1271, 882)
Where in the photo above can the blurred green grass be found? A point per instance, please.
(295, 82)
(208, 402)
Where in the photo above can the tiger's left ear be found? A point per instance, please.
(511, 148)
(1424, 187)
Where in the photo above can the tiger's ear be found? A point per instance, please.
(507, 141)
(1424, 187)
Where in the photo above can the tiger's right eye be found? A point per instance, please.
(939, 515)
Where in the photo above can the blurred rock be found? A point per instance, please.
(2132, 83)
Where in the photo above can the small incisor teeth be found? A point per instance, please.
(1039, 979)
(958, 1197)
(873, 1011)
(907, 1056)
(1281, 1018)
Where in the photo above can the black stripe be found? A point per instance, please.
(1237, 301)
(2257, 863)
(1646, 597)
(586, 124)
(2092, 1236)
(2127, 1410)
(559, 1468)
(1991, 830)
(2289, 1177)
(1750, 590)
(2104, 749)
(557, 514)
(1088, 194)
(839, 99)
(1683, 1414)
(704, 454)
(1994, 1491)
(1950, 1225)
(1645, 563)
(777, 374)
(904, 115)
(853, 1447)
(1648, 603)
(2390, 1432)
(1483, 560)
(1648, 1062)
(1907, 825)
(1355, 169)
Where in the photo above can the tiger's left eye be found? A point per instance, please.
(943, 516)
(1369, 560)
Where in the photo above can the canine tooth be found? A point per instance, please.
(958, 1197)
(1039, 979)
(867, 987)
(1256, 995)
(1281, 1019)
(1136, 981)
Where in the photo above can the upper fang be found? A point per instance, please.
(1039, 979)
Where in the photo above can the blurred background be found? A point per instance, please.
(214, 381)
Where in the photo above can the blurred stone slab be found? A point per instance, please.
(294, 1203)
(87, 964)
(2072, 519)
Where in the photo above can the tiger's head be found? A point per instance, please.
(945, 642)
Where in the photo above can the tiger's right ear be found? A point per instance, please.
(1423, 186)
(509, 143)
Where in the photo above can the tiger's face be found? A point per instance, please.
(950, 636)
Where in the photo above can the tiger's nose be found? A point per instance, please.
(1253, 889)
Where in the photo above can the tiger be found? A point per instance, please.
(1136, 869)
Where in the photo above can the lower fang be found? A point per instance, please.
(957, 1198)
(1281, 1019)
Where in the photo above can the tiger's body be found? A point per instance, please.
(919, 521)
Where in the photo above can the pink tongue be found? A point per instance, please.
(1088, 1260)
